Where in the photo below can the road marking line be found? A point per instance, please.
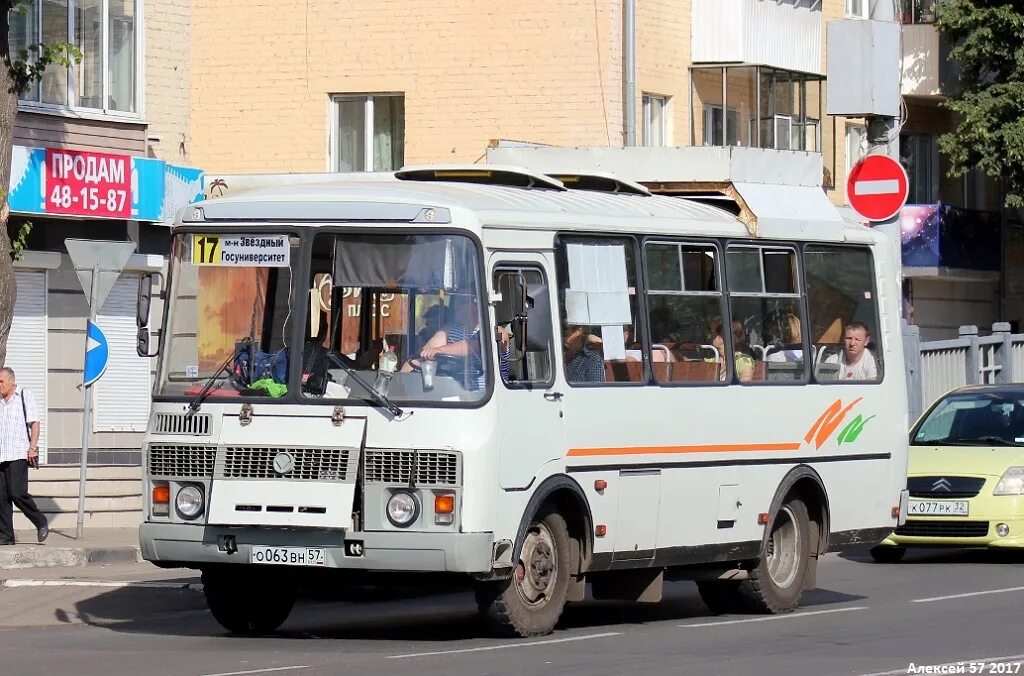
(931, 668)
(963, 596)
(260, 671)
(111, 584)
(789, 616)
(877, 187)
(527, 644)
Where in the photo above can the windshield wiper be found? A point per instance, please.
(374, 395)
(992, 439)
(193, 406)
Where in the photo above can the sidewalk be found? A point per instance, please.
(98, 546)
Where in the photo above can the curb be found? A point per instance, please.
(106, 584)
(51, 557)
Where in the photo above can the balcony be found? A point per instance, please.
(927, 68)
(949, 242)
(784, 34)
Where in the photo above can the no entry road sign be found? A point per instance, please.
(877, 187)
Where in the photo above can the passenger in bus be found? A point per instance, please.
(743, 362)
(855, 361)
(461, 338)
(583, 364)
(791, 337)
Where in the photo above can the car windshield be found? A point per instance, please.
(230, 315)
(400, 314)
(974, 419)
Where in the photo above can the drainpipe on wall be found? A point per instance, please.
(629, 66)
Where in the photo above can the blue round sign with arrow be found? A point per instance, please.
(97, 353)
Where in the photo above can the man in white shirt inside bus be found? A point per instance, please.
(855, 361)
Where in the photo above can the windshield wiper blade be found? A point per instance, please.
(193, 406)
(374, 395)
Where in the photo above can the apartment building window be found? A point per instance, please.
(856, 144)
(916, 11)
(368, 132)
(756, 106)
(919, 155)
(721, 126)
(106, 31)
(655, 120)
(857, 9)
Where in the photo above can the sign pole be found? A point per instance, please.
(87, 405)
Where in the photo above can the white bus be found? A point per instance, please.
(483, 373)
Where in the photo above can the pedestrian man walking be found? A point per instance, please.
(19, 433)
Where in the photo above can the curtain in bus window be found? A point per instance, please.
(414, 263)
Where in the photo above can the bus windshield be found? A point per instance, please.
(397, 313)
(230, 312)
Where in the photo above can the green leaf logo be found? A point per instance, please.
(853, 430)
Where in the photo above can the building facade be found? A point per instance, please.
(102, 150)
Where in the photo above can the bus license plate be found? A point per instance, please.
(938, 508)
(288, 556)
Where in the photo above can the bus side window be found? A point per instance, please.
(844, 326)
(523, 359)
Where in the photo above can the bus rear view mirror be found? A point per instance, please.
(145, 298)
(142, 340)
(538, 322)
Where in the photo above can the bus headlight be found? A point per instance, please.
(402, 509)
(189, 502)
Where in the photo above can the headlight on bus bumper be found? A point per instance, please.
(189, 502)
(402, 509)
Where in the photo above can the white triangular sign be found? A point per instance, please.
(106, 258)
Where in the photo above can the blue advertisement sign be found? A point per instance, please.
(158, 189)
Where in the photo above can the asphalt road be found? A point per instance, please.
(935, 608)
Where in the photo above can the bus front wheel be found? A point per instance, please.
(530, 601)
(776, 584)
(248, 601)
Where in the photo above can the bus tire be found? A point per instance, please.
(530, 601)
(247, 602)
(777, 582)
(887, 554)
(720, 597)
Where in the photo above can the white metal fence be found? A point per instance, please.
(936, 367)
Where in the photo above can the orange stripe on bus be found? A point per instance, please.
(710, 448)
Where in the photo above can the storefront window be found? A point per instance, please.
(104, 80)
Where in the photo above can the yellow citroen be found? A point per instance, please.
(966, 474)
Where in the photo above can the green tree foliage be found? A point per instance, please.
(988, 39)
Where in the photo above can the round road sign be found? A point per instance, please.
(877, 187)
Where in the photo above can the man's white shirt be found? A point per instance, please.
(14, 421)
(865, 369)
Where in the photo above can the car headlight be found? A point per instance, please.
(189, 502)
(402, 509)
(1011, 483)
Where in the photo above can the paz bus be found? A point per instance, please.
(527, 382)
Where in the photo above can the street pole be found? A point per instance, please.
(883, 132)
(87, 404)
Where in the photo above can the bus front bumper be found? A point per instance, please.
(195, 545)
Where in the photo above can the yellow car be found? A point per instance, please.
(965, 474)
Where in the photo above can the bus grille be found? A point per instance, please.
(179, 423)
(431, 468)
(194, 462)
(943, 529)
(304, 464)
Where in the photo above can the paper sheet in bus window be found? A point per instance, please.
(598, 292)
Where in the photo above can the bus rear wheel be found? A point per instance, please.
(776, 584)
(531, 600)
(248, 601)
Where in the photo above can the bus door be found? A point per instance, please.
(529, 410)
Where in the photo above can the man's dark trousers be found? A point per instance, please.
(14, 491)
